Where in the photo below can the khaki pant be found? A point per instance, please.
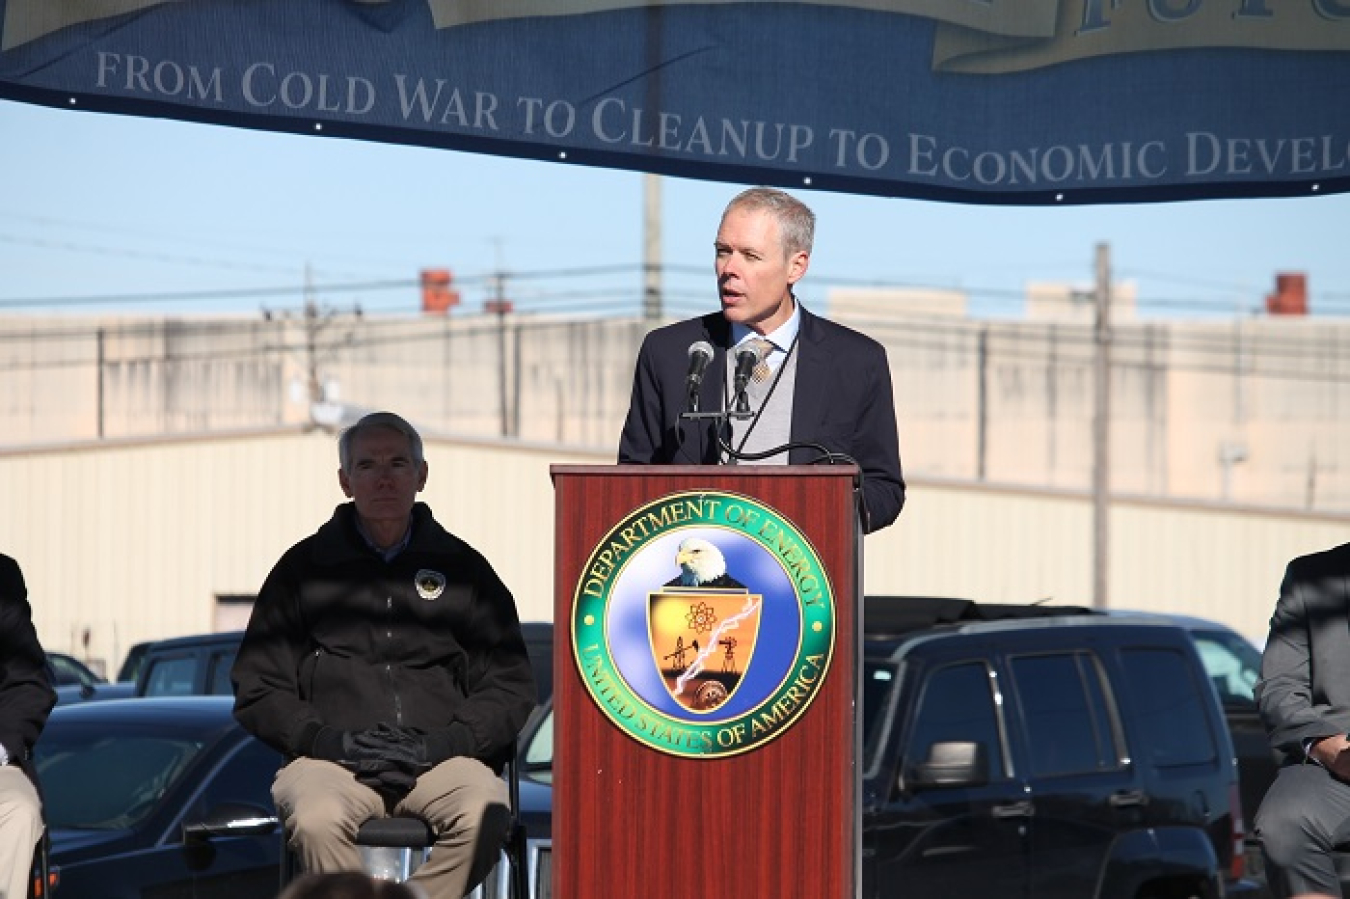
(20, 828)
(321, 805)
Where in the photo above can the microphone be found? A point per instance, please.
(747, 357)
(700, 354)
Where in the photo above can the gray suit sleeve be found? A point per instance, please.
(1292, 707)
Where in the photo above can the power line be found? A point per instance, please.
(198, 261)
(1021, 343)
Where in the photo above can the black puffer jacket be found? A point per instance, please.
(26, 694)
(430, 640)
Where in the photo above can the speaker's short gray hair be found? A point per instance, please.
(372, 422)
(796, 221)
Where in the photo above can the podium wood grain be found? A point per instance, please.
(631, 822)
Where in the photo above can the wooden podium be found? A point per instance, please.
(757, 796)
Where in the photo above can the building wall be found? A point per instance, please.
(133, 540)
(136, 540)
(149, 466)
(1250, 411)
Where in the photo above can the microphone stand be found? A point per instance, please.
(720, 420)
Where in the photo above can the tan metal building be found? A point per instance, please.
(152, 470)
(130, 540)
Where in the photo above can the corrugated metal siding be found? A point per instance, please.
(1218, 563)
(994, 545)
(135, 541)
(1244, 410)
(1014, 545)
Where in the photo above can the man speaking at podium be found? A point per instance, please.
(764, 381)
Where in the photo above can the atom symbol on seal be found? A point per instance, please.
(701, 618)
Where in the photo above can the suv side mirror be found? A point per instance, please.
(953, 764)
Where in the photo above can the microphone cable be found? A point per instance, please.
(824, 456)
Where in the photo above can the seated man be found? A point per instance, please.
(26, 698)
(384, 657)
(1304, 699)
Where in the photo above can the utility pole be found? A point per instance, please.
(500, 306)
(313, 325)
(316, 320)
(982, 404)
(651, 251)
(1101, 431)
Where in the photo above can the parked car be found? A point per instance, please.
(539, 644)
(1045, 752)
(1234, 665)
(131, 665)
(141, 796)
(74, 681)
(200, 664)
(1029, 750)
(66, 670)
(196, 665)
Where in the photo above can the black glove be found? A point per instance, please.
(335, 745)
(369, 769)
(383, 776)
(405, 748)
(395, 783)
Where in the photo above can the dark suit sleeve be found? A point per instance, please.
(643, 438)
(26, 694)
(877, 450)
(843, 402)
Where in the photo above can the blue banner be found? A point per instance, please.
(980, 101)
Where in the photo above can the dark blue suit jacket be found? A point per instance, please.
(842, 402)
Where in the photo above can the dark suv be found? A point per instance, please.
(198, 665)
(1034, 751)
(1026, 750)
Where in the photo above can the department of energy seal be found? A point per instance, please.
(703, 624)
(430, 584)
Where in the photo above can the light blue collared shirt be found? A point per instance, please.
(392, 552)
(781, 338)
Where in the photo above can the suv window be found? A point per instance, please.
(67, 670)
(878, 681)
(1173, 727)
(958, 705)
(219, 684)
(185, 666)
(1232, 663)
(1068, 723)
(171, 676)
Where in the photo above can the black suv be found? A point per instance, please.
(1028, 750)
(1014, 750)
(198, 665)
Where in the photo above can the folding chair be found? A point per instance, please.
(393, 848)
(40, 886)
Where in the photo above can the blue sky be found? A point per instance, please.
(114, 214)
